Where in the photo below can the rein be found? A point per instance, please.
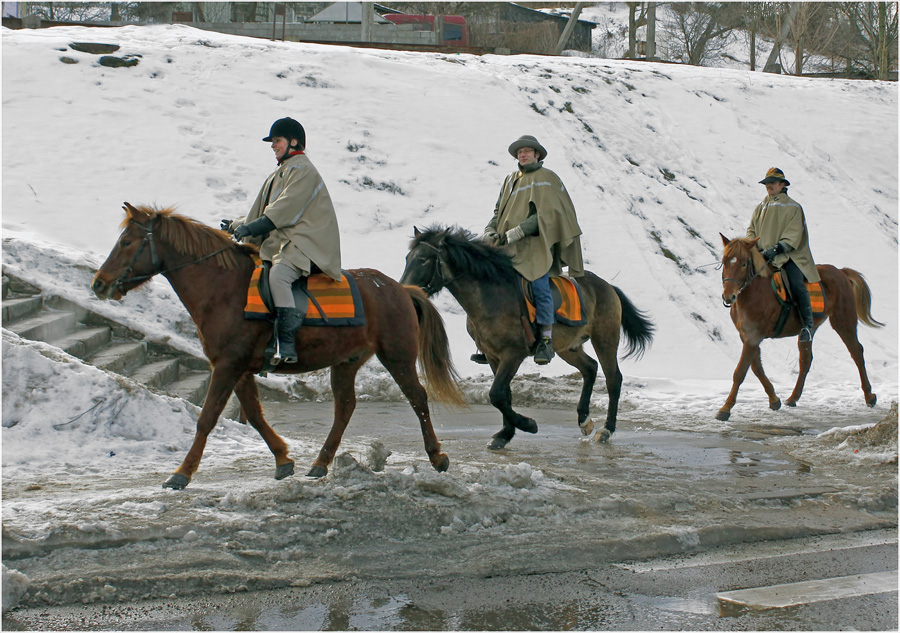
(148, 239)
(438, 274)
(753, 275)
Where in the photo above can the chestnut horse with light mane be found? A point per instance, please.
(755, 310)
(211, 274)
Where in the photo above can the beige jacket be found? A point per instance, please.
(552, 235)
(780, 219)
(296, 201)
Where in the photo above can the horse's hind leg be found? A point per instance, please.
(248, 395)
(606, 346)
(221, 383)
(404, 373)
(851, 340)
(343, 386)
(588, 368)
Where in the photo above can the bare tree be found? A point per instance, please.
(813, 30)
(637, 17)
(874, 28)
(697, 31)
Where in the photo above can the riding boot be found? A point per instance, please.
(544, 352)
(287, 322)
(479, 357)
(806, 316)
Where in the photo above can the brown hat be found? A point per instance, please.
(528, 141)
(774, 175)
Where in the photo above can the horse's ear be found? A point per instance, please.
(754, 241)
(416, 231)
(725, 240)
(136, 214)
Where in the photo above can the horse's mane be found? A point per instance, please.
(745, 248)
(195, 239)
(465, 252)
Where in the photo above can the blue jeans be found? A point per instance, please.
(543, 300)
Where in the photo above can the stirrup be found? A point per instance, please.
(544, 352)
(806, 335)
(479, 357)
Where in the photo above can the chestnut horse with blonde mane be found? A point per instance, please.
(755, 310)
(211, 274)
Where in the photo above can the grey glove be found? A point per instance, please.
(514, 235)
(259, 226)
(490, 237)
(241, 232)
(226, 225)
(770, 253)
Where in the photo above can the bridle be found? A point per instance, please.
(752, 275)
(148, 239)
(439, 278)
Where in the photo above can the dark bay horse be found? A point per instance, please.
(485, 284)
(210, 274)
(755, 310)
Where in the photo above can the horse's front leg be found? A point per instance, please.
(221, 383)
(501, 399)
(756, 366)
(806, 357)
(343, 387)
(248, 394)
(740, 373)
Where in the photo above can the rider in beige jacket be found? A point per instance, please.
(294, 224)
(779, 223)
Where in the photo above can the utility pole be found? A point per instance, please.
(782, 35)
(570, 26)
(367, 20)
(651, 31)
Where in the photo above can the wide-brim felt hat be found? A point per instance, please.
(775, 175)
(528, 141)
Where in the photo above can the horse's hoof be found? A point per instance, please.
(285, 470)
(527, 425)
(176, 482)
(443, 463)
(788, 402)
(603, 435)
(587, 427)
(722, 416)
(777, 404)
(317, 472)
(498, 444)
(871, 402)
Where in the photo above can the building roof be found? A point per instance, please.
(344, 13)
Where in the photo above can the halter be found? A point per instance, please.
(148, 239)
(438, 275)
(753, 275)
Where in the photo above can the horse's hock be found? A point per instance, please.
(36, 314)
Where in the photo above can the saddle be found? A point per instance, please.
(782, 290)
(567, 305)
(331, 303)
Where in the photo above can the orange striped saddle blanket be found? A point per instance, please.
(567, 300)
(816, 293)
(331, 303)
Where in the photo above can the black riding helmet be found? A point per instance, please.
(289, 129)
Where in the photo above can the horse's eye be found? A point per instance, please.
(126, 243)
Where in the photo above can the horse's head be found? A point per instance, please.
(741, 263)
(425, 265)
(133, 260)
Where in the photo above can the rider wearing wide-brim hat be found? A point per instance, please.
(534, 220)
(780, 224)
(295, 226)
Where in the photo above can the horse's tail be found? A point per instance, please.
(637, 326)
(863, 297)
(441, 379)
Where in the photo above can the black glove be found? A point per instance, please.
(770, 253)
(226, 225)
(241, 232)
(259, 226)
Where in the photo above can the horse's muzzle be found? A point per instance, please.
(104, 290)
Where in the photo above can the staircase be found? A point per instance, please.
(40, 316)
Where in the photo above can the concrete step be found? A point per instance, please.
(18, 308)
(190, 385)
(84, 341)
(45, 326)
(120, 357)
(158, 373)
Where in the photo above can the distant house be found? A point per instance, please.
(506, 17)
